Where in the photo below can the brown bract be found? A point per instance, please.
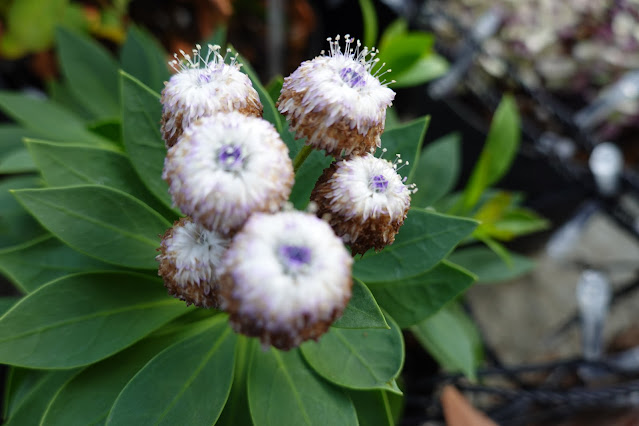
(338, 139)
(361, 235)
(171, 134)
(285, 337)
(202, 294)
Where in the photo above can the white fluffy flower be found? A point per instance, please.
(202, 87)
(227, 166)
(365, 199)
(336, 102)
(190, 262)
(286, 278)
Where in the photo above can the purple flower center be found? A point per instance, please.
(379, 183)
(352, 77)
(204, 77)
(295, 257)
(230, 157)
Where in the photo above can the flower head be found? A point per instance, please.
(190, 261)
(226, 167)
(365, 201)
(286, 278)
(337, 101)
(203, 86)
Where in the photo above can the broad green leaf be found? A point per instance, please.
(187, 383)
(68, 164)
(489, 267)
(362, 311)
(11, 136)
(16, 225)
(143, 58)
(6, 303)
(141, 115)
(83, 318)
(498, 153)
(283, 390)
(514, 223)
(414, 299)
(424, 240)
(428, 67)
(392, 119)
(358, 359)
(373, 407)
(90, 71)
(30, 397)
(369, 18)
(44, 259)
(110, 129)
(113, 226)
(89, 396)
(16, 161)
(406, 140)
(49, 119)
(452, 339)
(60, 93)
(402, 52)
(236, 411)
(437, 171)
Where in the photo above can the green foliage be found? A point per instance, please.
(452, 339)
(358, 359)
(282, 390)
(410, 55)
(95, 339)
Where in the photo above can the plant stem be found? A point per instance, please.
(301, 157)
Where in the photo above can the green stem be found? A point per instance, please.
(301, 157)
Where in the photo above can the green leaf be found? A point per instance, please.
(362, 311)
(498, 153)
(358, 359)
(44, 259)
(437, 171)
(110, 129)
(283, 391)
(80, 319)
(402, 52)
(113, 227)
(369, 18)
(489, 267)
(373, 407)
(143, 58)
(16, 225)
(32, 393)
(67, 164)
(236, 411)
(45, 117)
(406, 140)
(452, 339)
(11, 137)
(6, 303)
(195, 379)
(307, 175)
(141, 115)
(76, 402)
(424, 240)
(411, 300)
(425, 69)
(90, 71)
(16, 161)
(60, 93)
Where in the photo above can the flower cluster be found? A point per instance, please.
(338, 104)
(283, 276)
